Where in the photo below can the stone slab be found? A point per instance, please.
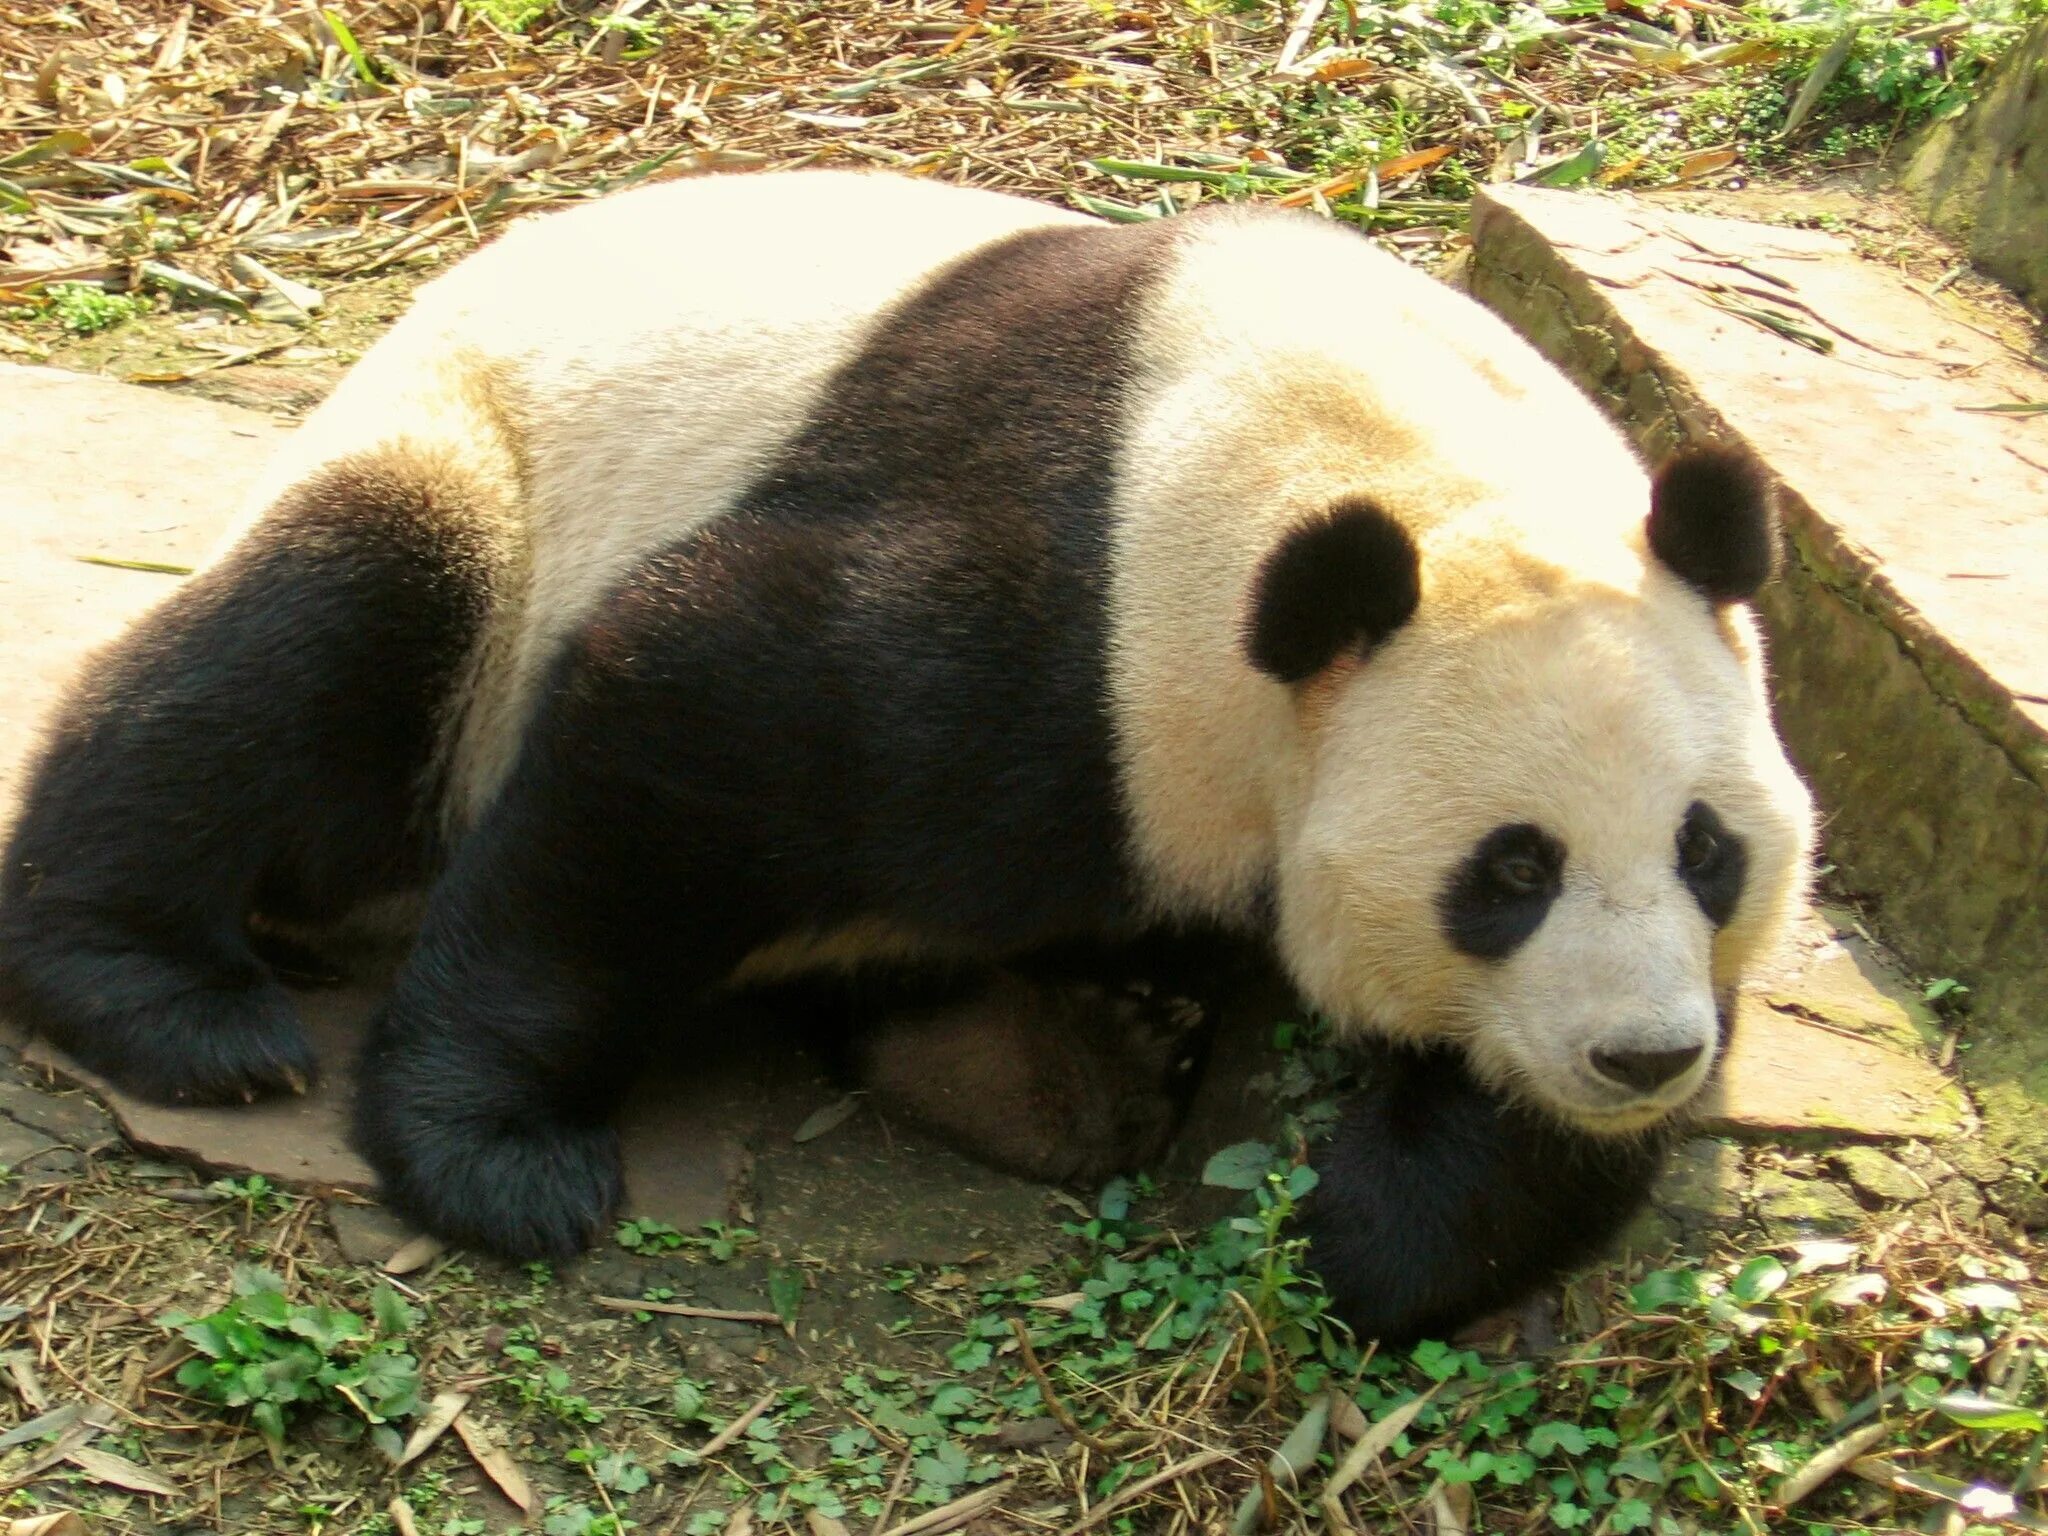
(367, 1233)
(1910, 625)
(72, 1118)
(1828, 1040)
(19, 1145)
(1932, 503)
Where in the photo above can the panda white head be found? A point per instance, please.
(1543, 811)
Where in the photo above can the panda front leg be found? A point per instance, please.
(1441, 1201)
(787, 726)
(261, 739)
(576, 928)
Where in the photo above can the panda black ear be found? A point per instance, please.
(1712, 523)
(1343, 581)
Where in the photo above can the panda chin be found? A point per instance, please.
(1584, 1115)
(1624, 1122)
(1586, 1106)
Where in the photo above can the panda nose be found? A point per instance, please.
(1645, 1071)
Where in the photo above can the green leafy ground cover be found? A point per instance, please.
(1150, 1369)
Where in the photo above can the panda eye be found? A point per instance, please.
(1521, 874)
(1697, 846)
(1713, 861)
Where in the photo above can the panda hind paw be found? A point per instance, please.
(171, 1029)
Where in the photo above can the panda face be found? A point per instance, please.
(1555, 828)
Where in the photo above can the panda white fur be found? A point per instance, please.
(745, 574)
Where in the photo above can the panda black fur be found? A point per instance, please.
(920, 573)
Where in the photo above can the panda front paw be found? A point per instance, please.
(537, 1188)
(1440, 1201)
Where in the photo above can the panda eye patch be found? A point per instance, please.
(1500, 894)
(1712, 861)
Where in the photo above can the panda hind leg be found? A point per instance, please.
(1064, 1079)
(261, 740)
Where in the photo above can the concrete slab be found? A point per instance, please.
(684, 1136)
(1830, 1040)
(1910, 628)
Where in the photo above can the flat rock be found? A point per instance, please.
(1702, 1186)
(367, 1233)
(1789, 1205)
(1828, 1040)
(1790, 1074)
(19, 1146)
(71, 1118)
(1943, 524)
(682, 1135)
(1879, 1175)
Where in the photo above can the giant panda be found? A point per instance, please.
(743, 576)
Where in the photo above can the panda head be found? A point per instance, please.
(1542, 811)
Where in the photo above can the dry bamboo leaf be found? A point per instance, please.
(1305, 20)
(402, 1520)
(171, 53)
(45, 87)
(64, 1523)
(42, 1426)
(1296, 1452)
(680, 1309)
(1347, 1418)
(1826, 1462)
(1981, 1499)
(21, 1371)
(444, 1410)
(1824, 70)
(1348, 67)
(1705, 163)
(1143, 1486)
(417, 1254)
(1063, 1303)
(1450, 1509)
(105, 1467)
(830, 1118)
(958, 1513)
(497, 1464)
(1374, 1444)
(1421, 159)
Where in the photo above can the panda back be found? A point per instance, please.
(623, 372)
